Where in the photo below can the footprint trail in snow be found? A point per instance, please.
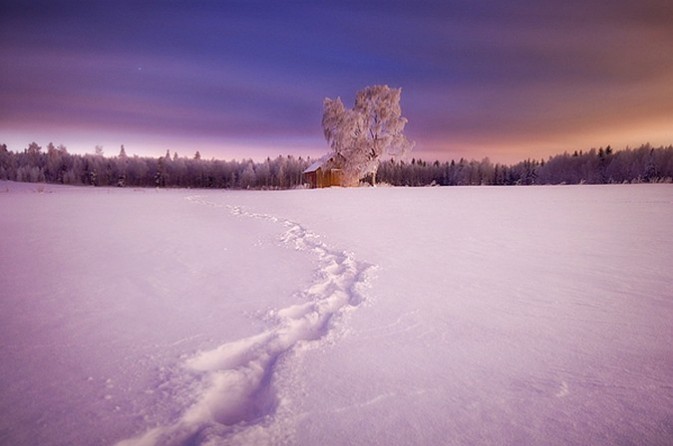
(239, 402)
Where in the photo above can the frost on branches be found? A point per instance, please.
(361, 136)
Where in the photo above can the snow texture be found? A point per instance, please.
(467, 315)
(239, 373)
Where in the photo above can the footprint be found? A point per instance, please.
(239, 394)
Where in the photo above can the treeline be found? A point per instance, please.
(55, 165)
(603, 166)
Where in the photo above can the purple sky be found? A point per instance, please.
(505, 79)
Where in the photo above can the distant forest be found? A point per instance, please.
(55, 165)
(603, 166)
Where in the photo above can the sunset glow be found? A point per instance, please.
(507, 81)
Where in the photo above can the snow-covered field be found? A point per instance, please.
(391, 316)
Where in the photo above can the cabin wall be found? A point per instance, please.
(324, 178)
(329, 177)
(312, 179)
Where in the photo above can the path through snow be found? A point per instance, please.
(240, 401)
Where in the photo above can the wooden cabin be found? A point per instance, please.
(324, 173)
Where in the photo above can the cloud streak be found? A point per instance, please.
(479, 78)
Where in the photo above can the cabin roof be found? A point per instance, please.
(313, 167)
(328, 158)
(317, 164)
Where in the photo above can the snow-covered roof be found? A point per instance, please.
(317, 164)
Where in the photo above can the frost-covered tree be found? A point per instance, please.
(248, 177)
(34, 149)
(372, 130)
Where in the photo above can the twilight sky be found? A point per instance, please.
(504, 79)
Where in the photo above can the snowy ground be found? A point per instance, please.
(522, 315)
